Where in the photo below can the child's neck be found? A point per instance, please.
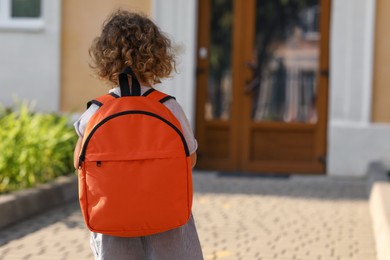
(145, 84)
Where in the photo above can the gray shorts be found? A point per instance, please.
(176, 244)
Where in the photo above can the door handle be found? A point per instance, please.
(324, 72)
(200, 70)
(251, 85)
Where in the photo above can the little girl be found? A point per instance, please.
(130, 39)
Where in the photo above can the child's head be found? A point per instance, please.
(131, 39)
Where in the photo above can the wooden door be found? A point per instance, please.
(262, 78)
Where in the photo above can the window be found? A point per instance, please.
(21, 14)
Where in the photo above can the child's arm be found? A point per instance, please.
(76, 153)
(193, 159)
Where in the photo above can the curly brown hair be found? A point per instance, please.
(131, 39)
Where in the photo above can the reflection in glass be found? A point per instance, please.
(286, 60)
(219, 89)
(26, 8)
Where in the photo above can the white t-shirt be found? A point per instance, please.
(171, 104)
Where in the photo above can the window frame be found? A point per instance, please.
(7, 22)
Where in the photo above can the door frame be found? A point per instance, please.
(243, 39)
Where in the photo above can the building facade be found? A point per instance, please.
(335, 120)
(30, 53)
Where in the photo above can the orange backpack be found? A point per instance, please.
(134, 166)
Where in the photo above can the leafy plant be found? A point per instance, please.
(34, 147)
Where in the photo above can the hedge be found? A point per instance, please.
(34, 147)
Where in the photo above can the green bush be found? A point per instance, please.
(34, 147)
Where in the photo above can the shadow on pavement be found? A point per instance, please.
(300, 186)
(62, 214)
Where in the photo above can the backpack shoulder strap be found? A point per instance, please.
(102, 99)
(157, 96)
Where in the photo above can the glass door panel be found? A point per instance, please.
(219, 89)
(286, 61)
(215, 117)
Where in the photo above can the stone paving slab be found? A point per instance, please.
(248, 218)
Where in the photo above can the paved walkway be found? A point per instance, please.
(248, 218)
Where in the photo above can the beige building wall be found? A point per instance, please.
(381, 74)
(81, 23)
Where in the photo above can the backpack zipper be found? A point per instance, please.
(131, 112)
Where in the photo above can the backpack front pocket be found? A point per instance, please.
(128, 199)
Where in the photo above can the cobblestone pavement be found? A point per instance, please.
(238, 217)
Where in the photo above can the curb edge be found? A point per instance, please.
(19, 205)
